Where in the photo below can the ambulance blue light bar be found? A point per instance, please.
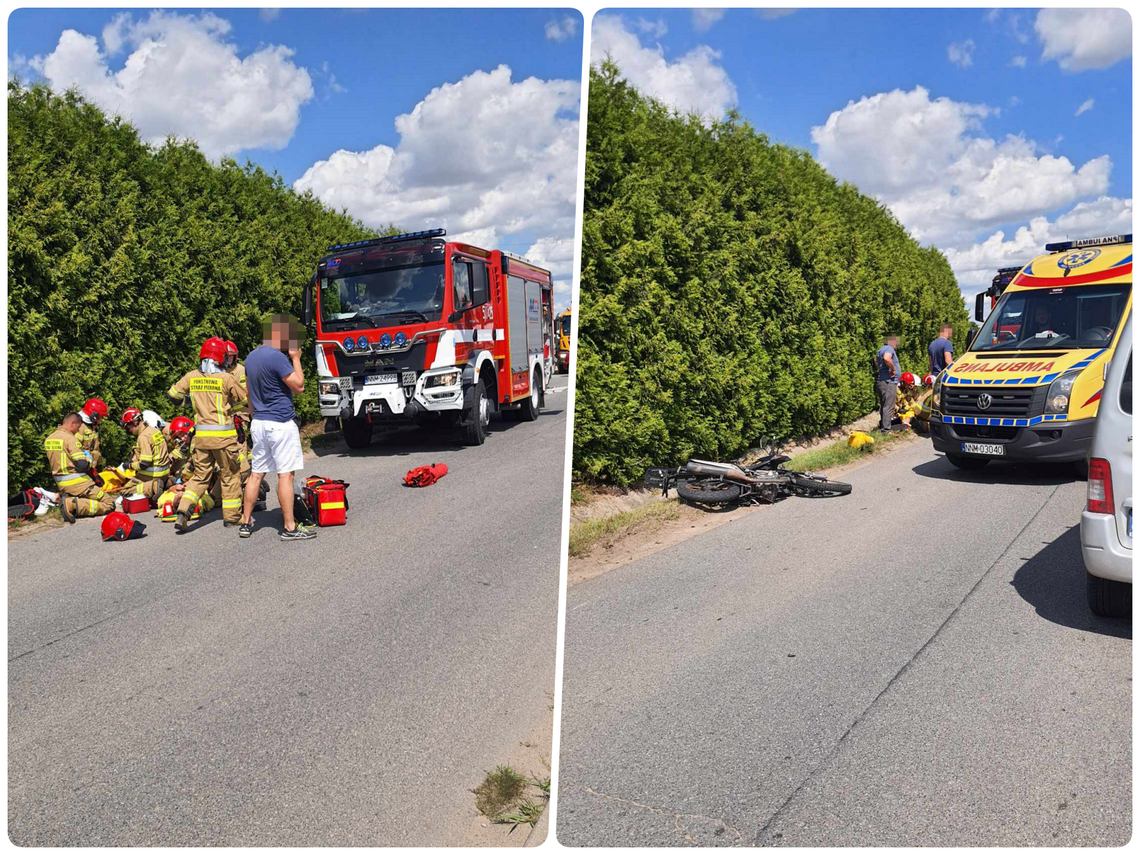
(427, 233)
(1077, 244)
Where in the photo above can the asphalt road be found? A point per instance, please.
(910, 665)
(202, 689)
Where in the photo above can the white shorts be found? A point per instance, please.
(276, 447)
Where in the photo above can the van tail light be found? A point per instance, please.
(1100, 487)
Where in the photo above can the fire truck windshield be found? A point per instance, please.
(387, 297)
(1080, 316)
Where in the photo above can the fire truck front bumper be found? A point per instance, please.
(437, 390)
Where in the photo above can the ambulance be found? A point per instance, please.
(414, 328)
(1029, 385)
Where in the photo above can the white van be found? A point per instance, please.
(1106, 523)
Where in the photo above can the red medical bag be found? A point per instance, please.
(327, 499)
(136, 506)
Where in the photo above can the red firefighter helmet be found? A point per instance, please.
(231, 352)
(119, 526)
(213, 348)
(907, 378)
(96, 409)
(928, 380)
(181, 426)
(130, 416)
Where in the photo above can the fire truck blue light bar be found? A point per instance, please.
(1077, 244)
(427, 233)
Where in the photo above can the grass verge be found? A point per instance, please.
(587, 534)
(499, 791)
(840, 453)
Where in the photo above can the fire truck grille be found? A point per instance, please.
(1004, 402)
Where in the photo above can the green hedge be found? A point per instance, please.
(123, 258)
(731, 288)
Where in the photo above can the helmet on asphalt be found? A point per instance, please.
(182, 426)
(928, 380)
(131, 415)
(119, 526)
(231, 353)
(907, 378)
(94, 410)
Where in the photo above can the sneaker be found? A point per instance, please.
(299, 533)
(245, 530)
(67, 515)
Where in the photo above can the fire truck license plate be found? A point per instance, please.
(982, 448)
(379, 378)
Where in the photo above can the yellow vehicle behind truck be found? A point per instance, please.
(1029, 385)
(562, 333)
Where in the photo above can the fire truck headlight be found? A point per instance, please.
(329, 388)
(386, 340)
(362, 342)
(1057, 398)
(349, 344)
(401, 339)
(449, 378)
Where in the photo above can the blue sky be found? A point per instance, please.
(315, 83)
(999, 74)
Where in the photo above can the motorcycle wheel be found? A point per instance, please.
(708, 492)
(816, 486)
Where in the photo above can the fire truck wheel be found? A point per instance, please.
(475, 427)
(531, 407)
(357, 433)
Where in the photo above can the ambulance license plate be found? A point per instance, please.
(982, 448)
(372, 379)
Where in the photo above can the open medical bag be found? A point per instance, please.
(327, 499)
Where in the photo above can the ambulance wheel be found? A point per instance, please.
(357, 433)
(479, 417)
(531, 407)
(969, 463)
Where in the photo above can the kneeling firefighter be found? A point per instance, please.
(215, 394)
(72, 468)
(93, 412)
(151, 457)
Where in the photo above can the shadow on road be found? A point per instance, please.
(1053, 582)
(413, 439)
(994, 472)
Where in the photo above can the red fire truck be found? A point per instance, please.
(414, 327)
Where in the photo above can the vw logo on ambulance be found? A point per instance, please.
(984, 401)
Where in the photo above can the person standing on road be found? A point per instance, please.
(941, 350)
(273, 376)
(887, 380)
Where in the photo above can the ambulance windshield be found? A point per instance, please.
(1080, 316)
(380, 298)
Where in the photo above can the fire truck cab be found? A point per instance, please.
(562, 335)
(415, 328)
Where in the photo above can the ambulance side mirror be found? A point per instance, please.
(980, 308)
(970, 334)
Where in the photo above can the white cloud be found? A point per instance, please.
(691, 83)
(961, 53)
(1014, 100)
(482, 187)
(268, 15)
(1086, 106)
(657, 28)
(557, 256)
(1018, 62)
(560, 31)
(975, 264)
(184, 78)
(704, 18)
(929, 162)
(1015, 28)
(992, 15)
(772, 14)
(1082, 39)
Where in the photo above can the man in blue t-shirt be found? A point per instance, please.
(272, 378)
(941, 350)
(887, 380)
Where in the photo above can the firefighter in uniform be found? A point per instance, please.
(243, 416)
(215, 394)
(151, 457)
(179, 434)
(93, 412)
(72, 468)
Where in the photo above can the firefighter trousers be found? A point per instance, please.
(224, 454)
(86, 500)
(152, 488)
